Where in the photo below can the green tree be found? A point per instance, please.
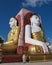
(1, 40)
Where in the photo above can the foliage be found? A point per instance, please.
(1, 40)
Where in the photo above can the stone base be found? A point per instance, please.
(37, 58)
(32, 58)
(11, 58)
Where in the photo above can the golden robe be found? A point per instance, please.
(39, 36)
(35, 49)
(11, 44)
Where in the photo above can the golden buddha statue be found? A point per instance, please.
(11, 44)
(37, 34)
(34, 35)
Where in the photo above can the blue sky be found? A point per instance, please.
(9, 8)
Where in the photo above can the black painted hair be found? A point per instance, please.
(35, 14)
(17, 21)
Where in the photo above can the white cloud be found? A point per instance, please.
(34, 3)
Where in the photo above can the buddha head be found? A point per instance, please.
(35, 19)
(13, 22)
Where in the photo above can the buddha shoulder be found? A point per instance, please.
(17, 27)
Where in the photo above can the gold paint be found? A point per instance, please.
(10, 45)
(35, 49)
(13, 35)
(40, 57)
(32, 50)
(38, 36)
(9, 48)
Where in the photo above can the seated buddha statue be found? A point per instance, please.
(11, 44)
(34, 35)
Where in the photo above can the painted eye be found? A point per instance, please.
(36, 17)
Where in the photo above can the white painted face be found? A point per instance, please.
(35, 20)
(12, 22)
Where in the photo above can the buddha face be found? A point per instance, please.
(13, 22)
(35, 20)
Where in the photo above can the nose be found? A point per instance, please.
(9, 22)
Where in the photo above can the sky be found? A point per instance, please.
(9, 8)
